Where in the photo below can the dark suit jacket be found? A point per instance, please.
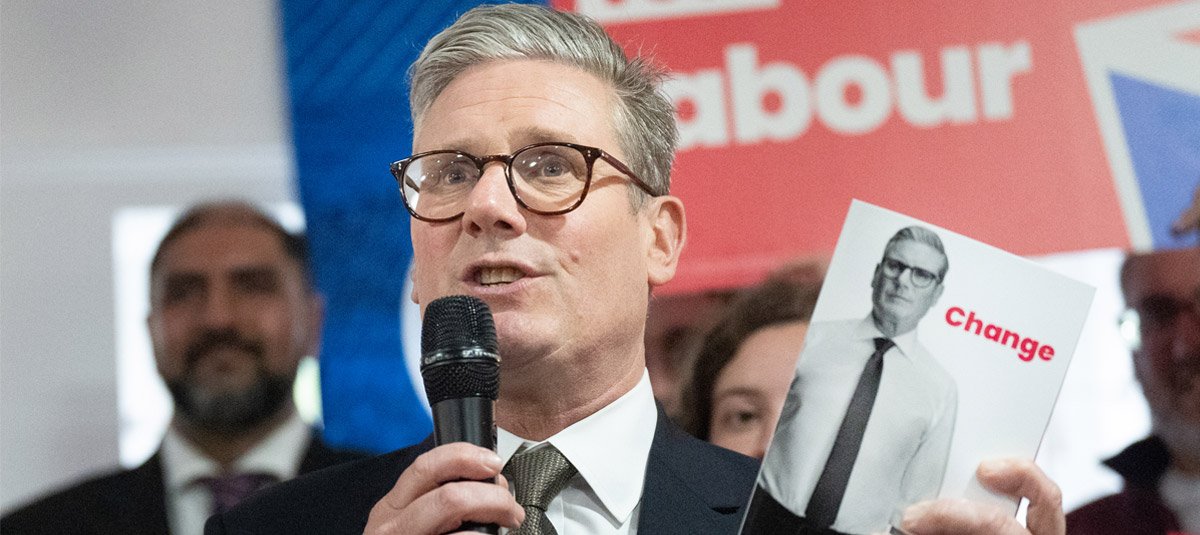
(1139, 508)
(691, 487)
(126, 501)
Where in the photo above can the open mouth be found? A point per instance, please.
(493, 276)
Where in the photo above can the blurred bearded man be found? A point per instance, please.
(232, 313)
(1162, 472)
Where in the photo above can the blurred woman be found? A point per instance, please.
(744, 366)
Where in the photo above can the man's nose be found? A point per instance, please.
(219, 309)
(491, 206)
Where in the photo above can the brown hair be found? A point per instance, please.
(788, 294)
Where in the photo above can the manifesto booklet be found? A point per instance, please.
(928, 352)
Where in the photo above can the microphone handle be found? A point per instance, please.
(470, 420)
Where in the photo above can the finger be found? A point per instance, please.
(1020, 478)
(957, 517)
(449, 462)
(448, 506)
(1190, 218)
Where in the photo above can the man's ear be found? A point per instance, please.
(668, 232)
(412, 280)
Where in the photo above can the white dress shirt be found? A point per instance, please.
(610, 449)
(906, 442)
(189, 502)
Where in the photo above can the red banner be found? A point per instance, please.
(974, 116)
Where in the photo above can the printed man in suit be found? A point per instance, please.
(232, 313)
(538, 183)
(867, 422)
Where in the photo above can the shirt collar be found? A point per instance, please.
(610, 448)
(279, 454)
(906, 343)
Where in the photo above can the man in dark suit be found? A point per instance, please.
(232, 314)
(1162, 471)
(540, 184)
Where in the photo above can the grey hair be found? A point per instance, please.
(644, 117)
(923, 235)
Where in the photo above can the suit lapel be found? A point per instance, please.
(319, 456)
(688, 488)
(139, 505)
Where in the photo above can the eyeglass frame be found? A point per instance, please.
(912, 271)
(590, 155)
(1132, 327)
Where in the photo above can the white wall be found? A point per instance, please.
(106, 104)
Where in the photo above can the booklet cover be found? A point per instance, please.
(928, 352)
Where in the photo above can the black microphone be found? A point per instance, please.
(460, 363)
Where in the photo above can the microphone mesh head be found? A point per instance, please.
(458, 322)
(459, 352)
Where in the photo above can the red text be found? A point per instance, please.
(1026, 348)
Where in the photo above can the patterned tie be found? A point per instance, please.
(229, 489)
(823, 507)
(537, 476)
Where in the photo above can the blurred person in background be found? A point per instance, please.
(675, 330)
(745, 363)
(232, 313)
(1161, 472)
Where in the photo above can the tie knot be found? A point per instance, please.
(538, 475)
(229, 489)
(882, 345)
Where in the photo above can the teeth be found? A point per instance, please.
(499, 275)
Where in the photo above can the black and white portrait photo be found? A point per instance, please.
(867, 425)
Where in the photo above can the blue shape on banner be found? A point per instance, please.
(346, 67)
(1162, 128)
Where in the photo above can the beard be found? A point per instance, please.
(1179, 432)
(1173, 394)
(229, 411)
(1173, 419)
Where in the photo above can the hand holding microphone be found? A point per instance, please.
(460, 364)
(449, 488)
